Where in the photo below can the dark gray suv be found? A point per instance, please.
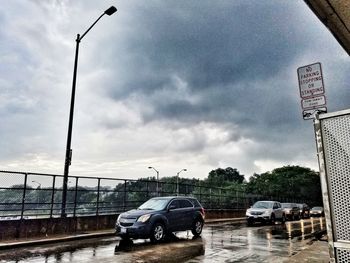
(160, 216)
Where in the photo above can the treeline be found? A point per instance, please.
(290, 182)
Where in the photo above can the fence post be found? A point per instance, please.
(211, 206)
(52, 195)
(147, 190)
(75, 196)
(124, 200)
(98, 195)
(200, 191)
(24, 194)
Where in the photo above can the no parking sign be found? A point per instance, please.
(311, 88)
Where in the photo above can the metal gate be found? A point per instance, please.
(333, 144)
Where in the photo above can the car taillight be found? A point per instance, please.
(202, 212)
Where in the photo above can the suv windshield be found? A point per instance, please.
(154, 204)
(317, 208)
(262, 204)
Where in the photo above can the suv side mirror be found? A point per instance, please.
(171, 207)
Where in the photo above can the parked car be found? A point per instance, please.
(291, 210)
(304, 210)
(317, 211)
(160, 216)
(265, 212)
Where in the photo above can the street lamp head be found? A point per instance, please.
(111, 10)
(150, 167)
(185, 170)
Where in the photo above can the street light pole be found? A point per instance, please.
(68, 158)
(38, 194)
(39, 184)
(177, 180)
(157, 186)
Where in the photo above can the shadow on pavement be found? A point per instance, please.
(173, 249)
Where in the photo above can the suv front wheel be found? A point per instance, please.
(157, 232)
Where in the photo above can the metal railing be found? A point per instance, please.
(37, 195)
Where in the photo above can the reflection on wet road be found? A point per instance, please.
(219, 243)
(258, 243)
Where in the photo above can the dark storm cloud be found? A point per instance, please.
(223, 53)
(232, 61)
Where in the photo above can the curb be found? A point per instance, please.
(225, 220)
(53, 240)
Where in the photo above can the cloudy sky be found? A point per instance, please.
(170, 84)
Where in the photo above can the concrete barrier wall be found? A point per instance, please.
(29, 228)
(224, 213)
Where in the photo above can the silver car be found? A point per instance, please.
(317, 211)
(291, 210)
(265, 212)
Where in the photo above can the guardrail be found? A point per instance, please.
(36, 195)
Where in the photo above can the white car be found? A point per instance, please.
(265, 212)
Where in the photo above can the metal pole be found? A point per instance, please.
(24, 194)
(157, 183)
(324, 187)
(52, 195)
(177, 184)
(177, 180)
(124, 201)
(68, 158)
(75, 196)
(98, 195)
(147, 191)
(210, 198)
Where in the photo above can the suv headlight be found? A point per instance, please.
(267, 213)
(143, 218)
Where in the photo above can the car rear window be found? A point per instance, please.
(195, 202)
(185, 203)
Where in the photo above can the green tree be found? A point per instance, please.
(225, 177)
(293, 182)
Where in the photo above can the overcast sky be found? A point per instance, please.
(170, 84)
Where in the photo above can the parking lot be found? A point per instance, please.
(224, 242)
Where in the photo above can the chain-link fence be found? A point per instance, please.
(34, 195)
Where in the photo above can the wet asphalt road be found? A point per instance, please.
(219, 243)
